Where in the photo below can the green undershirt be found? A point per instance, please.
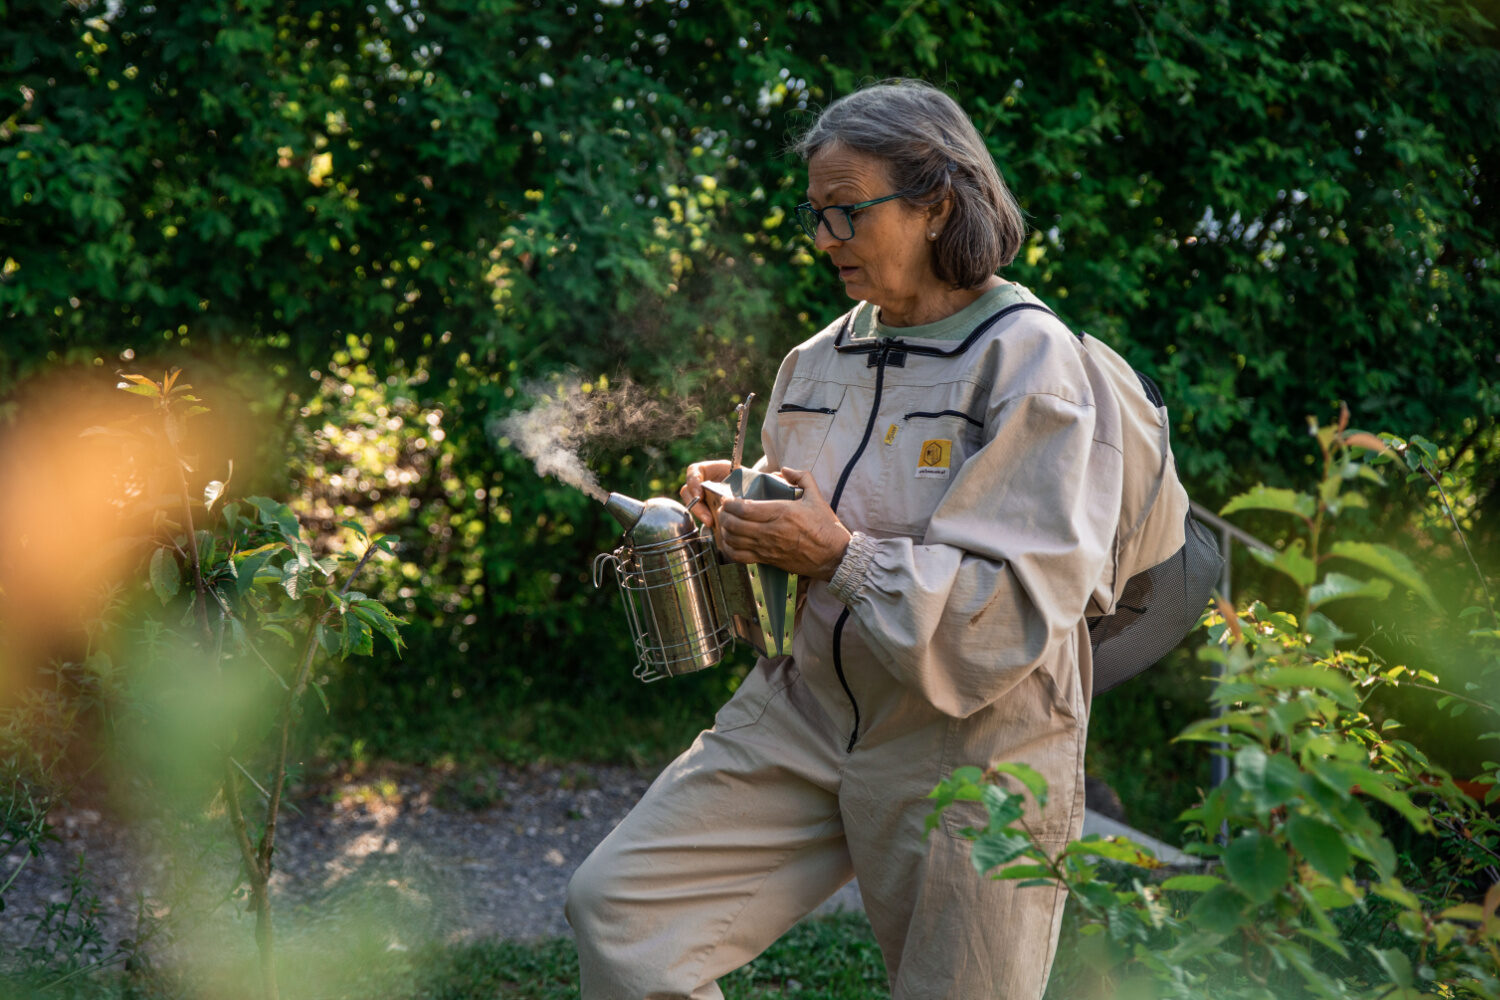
(955, 327)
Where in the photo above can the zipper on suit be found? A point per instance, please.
(881, 356)
(838, 668)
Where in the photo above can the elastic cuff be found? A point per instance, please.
(852, 571)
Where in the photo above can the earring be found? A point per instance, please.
(932, 236)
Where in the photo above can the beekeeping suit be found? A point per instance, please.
(995, 482)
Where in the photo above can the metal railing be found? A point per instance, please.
(1228, 535)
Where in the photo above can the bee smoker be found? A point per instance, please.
(685, 606)
(668, 575)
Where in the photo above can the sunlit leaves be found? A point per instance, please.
(166, 579)
(375, 615)
(1192, 883)
(1389, 561)
(1274, 499)
(1291, 561)
(1338, 587)
(1027, 775)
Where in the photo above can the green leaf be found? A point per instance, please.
(346, 637)
(317, 689)
(1028, 776)
(1331, 897)
(1338, 587)
(1396, 965)
(997, 847)
(1419, 818)
(378, 617)
(1471, 912)
(1326, 933)
(1321, 845)
(280, 633)
(1257, 865)
(1192, 883)
(1024, 871)
(1004, 807)
(362, 642)
(1320, 678)
(1398, 894)
(1325, 633)
(293, 580)
(1394, 564)
(1291, 561)
(1271, 498)
(1113, 849)
(166, 578)
(278, 516)
(1219, 911)
(249, 567)
(1271, 779)
(1375, 849)
(1207, 729)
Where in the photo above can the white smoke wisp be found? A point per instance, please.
(550, 434)
(573, 416)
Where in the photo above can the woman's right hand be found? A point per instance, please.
(715, 470)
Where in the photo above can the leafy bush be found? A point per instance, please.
(439, 205)
(203, 688)
(1306, 894)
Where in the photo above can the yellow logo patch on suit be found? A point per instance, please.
(934, 459)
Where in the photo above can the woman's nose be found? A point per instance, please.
(825, 240)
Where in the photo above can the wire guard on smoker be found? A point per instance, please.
(674, 604)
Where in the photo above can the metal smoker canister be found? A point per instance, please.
(668, 577)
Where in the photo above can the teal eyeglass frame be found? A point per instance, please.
(810, 218)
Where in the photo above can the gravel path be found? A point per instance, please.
(400, 844)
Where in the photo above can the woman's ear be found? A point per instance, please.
(938, 215)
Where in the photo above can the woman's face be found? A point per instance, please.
(888, 261)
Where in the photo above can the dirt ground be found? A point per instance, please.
(432, 856)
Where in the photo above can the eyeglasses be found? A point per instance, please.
(838, 218)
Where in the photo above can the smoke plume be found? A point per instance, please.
(571, 418)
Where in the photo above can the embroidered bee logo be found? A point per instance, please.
(934, 459)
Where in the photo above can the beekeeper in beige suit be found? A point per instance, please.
(969, 487)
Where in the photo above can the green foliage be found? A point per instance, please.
(828, 958)
(67, 946)
(832, 958)
(199, 684)
(1131, 747)
(1269, 209)
(1306, 893)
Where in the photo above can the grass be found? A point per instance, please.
(828, 958)
(831, 958)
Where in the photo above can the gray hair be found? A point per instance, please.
(934, 151)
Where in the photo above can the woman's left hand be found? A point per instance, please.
(800, 536)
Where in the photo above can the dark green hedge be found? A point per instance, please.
(1270, 207)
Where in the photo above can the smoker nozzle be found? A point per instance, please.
(624, 509)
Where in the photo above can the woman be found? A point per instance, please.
(961, 456)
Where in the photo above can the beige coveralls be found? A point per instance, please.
(993, 506)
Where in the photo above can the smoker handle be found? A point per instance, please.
(600, 560)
